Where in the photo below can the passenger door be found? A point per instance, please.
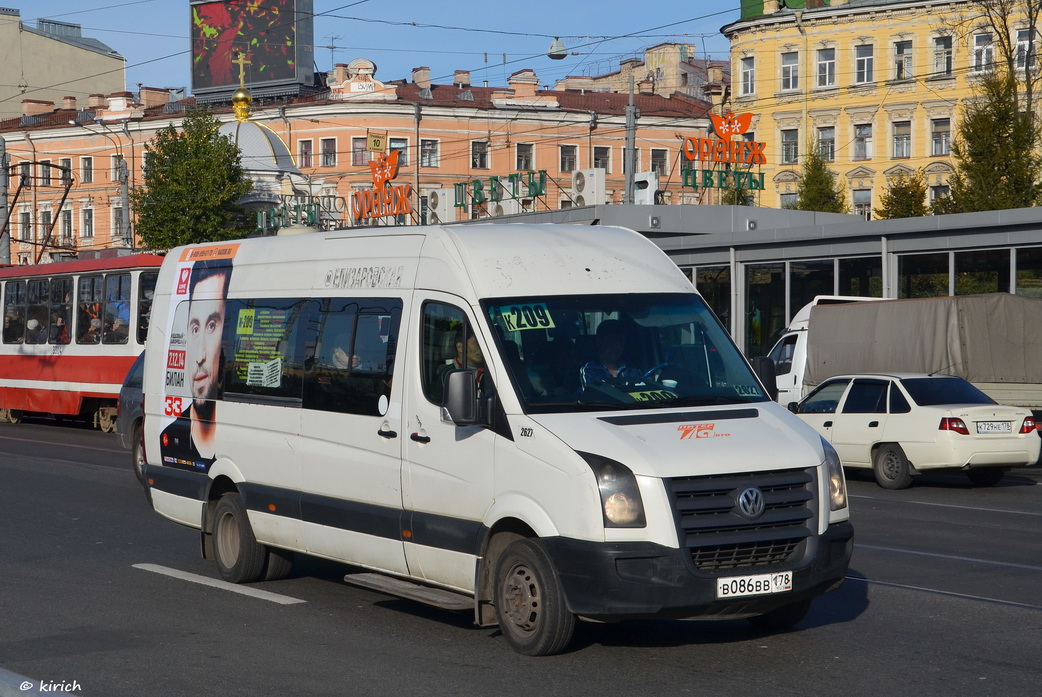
(351, 432)
(447, 474)
(860, 421)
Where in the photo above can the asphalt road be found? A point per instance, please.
(99, 593)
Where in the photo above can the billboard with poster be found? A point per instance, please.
(276, 38)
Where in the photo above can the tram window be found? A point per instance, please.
(146, 290)
(14, 312)
(61, 310)
(117, 309)
(89, 310)
(38, 311)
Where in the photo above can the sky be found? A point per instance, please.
(490, 39)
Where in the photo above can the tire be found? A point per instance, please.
(987, 476)
(277, 564)
(891, 467)
(240, 559)
(529, 601)
(782, 617)
(137, 453)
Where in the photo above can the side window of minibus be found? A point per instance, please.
(350, 366)
(443, 327)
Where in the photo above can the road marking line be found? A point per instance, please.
(952, 557)
(952, 594)
(947, 505)
(223, 585)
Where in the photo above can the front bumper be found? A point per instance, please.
(616, 581)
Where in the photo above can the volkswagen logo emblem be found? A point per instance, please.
(750, 503)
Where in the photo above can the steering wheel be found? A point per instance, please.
(655, 373)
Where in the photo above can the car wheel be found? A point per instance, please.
(529, 601)
(987, 476)
(240, 559)
(782, 617)
(278, 564)
(137, 453)
(891, 467)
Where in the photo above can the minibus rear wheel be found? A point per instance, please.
(529, 601)
(240, 559)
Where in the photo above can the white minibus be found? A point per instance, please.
(543, 423)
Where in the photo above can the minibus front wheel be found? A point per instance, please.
(240, 559)
(530, 604)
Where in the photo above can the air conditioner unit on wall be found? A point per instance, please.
(439, 207)
(588, 188)
(645, 186)
(508, 206)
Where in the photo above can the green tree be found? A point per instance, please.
(193, 180)
(905, 197)
(818, 189)
(737, 197)
(996, 152)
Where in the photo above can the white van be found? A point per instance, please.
(539, 422)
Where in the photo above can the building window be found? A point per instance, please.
(903, 139)
(45, 172)
(25, 172)
(790, 140)
(307, 153)
(329, 152)
(748, 76)
(359, 155)
(863, 203)
(479, 154)
(66, 165)
(86, 170)
(117, 224)
(941, 136)
(827, 143)
(903, 60)
(941, 191)
(45, 226)
(66, 230)
(983, 53)
(569, 155)
(790, 71)
(660, 161)
(525, 157)
(826, 67)
(428, 153)
(863, 57)
(1025, 50)
(787, 200)
(863, 141)
(402, 146)
(942, 55)
(25, 222)
(87, 223)
(602, 158)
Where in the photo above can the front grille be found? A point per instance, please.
(720, 538)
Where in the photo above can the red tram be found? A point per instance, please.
(71, 332)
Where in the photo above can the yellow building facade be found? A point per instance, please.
(878, 86)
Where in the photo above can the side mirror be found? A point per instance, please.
(461, 397)
(768, 374)
(794, 407)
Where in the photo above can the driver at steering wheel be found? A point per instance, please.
(609, 364)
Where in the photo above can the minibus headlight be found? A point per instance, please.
(621, 504)
(837, 482)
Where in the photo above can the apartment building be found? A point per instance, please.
(877, 86)
(456, 144)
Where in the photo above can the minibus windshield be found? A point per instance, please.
(624, 351)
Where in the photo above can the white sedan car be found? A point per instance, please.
(902, 424)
